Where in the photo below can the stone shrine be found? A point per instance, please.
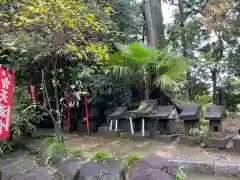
(117, 122)
(190, 115)
(139, 119)
(217, 137)
(164, 125)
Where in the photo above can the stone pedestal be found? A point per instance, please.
(217, 142)
(189, 140)
(236, 143)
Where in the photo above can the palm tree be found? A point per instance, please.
(139, 62)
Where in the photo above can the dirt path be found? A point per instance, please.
(121, 147)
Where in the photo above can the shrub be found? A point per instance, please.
(100, 156)
(4, 146)
(53, 149)
(180, 174)
(49, 141)
(77, 151)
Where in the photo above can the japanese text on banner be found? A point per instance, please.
(6, 93)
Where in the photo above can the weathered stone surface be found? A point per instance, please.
(69, 168)
(19, 167)
(189, 140)
(236, 143)
(152, 168)
(26, 170)
(217, 142)
(110, 169)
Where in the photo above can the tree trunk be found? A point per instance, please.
(48, 108)
(214, 81)
(58, 113)
(157, 22)
(191, 94)
(151, 41)
(149, 23)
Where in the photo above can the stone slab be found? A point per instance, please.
(110, 169)
(69, 168)
(103, 129)
(189, 140)
(214, 142)
(236, 143)
(154, 168)
(18, 167)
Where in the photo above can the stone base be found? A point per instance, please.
(135, 136)
(236, 144)
(214, 142)
(165, 137)
(189, 140)
(103, 129)
(81, 128)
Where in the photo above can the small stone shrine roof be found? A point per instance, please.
(118, 112)
(145, 108)
(191, 112)
(215, 113)
(164, 112)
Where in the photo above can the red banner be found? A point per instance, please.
(6, 96)
(32, 91)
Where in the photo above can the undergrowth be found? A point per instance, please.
(181, 174)
(100, 156)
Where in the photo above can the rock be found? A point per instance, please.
(110, 169)
(18, 167)
(152, 168)
(40, 174)
(27, 169)
(69, 168)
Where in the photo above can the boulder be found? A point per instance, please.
(26, 169)
(18, 167)
(108, 170)
(69, 168)
(152, 168)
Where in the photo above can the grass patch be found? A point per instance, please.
(53, 149)
(77, 151)
(49, 141)
(127, 162)
(100, 156)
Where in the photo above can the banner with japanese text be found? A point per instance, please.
(33, 94)
(6, 98)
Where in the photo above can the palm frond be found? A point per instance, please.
(121, 71)
(164, 82)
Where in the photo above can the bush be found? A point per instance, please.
(100, 156)
(4, 146)
(24, 117)
(180, 174)
(77, 151)
(127, 162)
(55, 148)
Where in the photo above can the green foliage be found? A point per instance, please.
(4, 146)
(55, 148)
(63, 23)
(180, 174)
(132, 60)
(24, 115)
(77, 151)
(49, 141)
(131, 160)
(100, 156)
